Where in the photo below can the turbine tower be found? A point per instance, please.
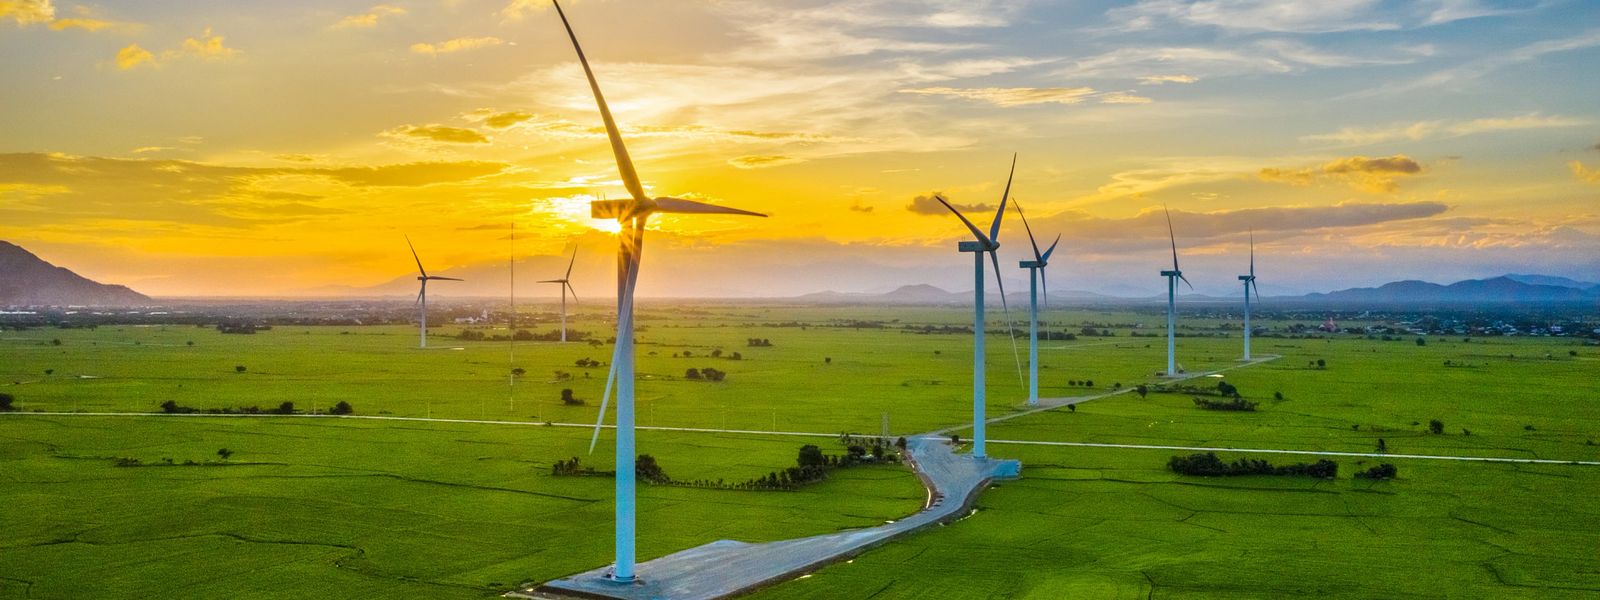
(422, 296)
(1036, 281)
(631, 214)
(1249, 284)
(981, 245)
(566, 284)
(1172, 298)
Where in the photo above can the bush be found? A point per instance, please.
(811, 456)
(646, 468)
(1277, 396)
(568, 399)
(692, 373)
(238, 368)
(342, 408)
(1236, 404)
(1421, 342)
(711, 374)
(1436, 426)
(286, 408)
(224, 453)
(1208, 465)
(172, 408)
(1383, 471)
(1142, 390)
(5, 402)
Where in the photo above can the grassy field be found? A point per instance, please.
(340, 508)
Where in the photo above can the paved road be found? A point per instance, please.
(728, 567)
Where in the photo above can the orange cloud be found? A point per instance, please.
(1373, 175)
(370, 18)
(456, 45)
(133, 56)
(438, 133)
(1584, 173)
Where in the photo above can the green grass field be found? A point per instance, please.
(342, 508)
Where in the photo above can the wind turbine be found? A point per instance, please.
(1035, 269)
(981, 245)
(566, 284)
(631, 214)
(1172, 298)
(1249, 284)
(422, 296)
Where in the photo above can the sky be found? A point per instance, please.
(198, 148)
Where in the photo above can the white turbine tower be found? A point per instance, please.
(1036, 281)
(981, 245)
(422, 296)
(566, 284)
(1172, 298)
(1249, 285)
(631, 214)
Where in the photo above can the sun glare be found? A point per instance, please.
(575, 210)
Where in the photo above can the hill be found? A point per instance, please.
(27, 280)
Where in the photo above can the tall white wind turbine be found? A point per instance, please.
(979, 246)
(566, 285)
(631, 214)
(1172, 298)
(422, 296)
(1249, 286)
(1036, 281)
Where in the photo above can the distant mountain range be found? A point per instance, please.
(1506, 289)
(27, 280)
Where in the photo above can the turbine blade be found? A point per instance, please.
(1006, 308)
(420, 294)
(1036, 256)
(551, 281)
(573, 290)
(1047, 253)
(1252, 254)
(1045, 287)
(605, 400)
(679, 205)
(1185, 281)
(438, 278)
(1257, 289)
(1174, 239)
(414, 256)
(994, 228)
(974, 228)
(571, 262)
(630, 178)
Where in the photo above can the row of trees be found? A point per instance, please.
(172, 407)
(1382, 471)
(1234, 404)
(704, 374)
(1208, 465)
(758, 342)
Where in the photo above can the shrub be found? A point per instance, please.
(568, 399)
(238, 368)
(646, 468)
(286, 408)
(1277, 396)
(1208, 465)
(342, 408)
(811, 456)
(1383, 471)
(1421, 342)
(1236, 404)
(1142, 390)
(692, 373)
(6, 401)
(224, 453)
(1435, 426)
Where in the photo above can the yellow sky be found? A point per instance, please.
(284, 148)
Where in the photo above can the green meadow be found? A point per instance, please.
(402, 509)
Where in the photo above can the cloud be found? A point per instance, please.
(27, 12)
(857, 206)
(456, 45)
(1008, 97)
(1584, 173)
(370, 18)
(438, 133)
(1160, 79)
(409, 174)
(927, 205)
(1150, 223)
(1288, 16)
(1373, 175)
(515, 10)
(1356, 136)
(149, 149)
(133, 56)
(206, 47)
(1475, 70)
(506, 119)
(762, 161)
(1124, 98)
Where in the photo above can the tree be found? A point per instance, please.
(1383, 447)
(49, 371)
(692, 373)
(5, 402)
(645, 468)
(287, 408)
(901, 443)
(811, 456)
(55, 342)
(736, 356)
(717, 353)
(1436, 426)
(224, 453)
(688, 354)
(955, 440)
(1227, 389)
(1421, 342)
(1322, 364)
(827, 360)
(1072, 408)
(519, 371)
(238, 368)
(568, 399)
(342, 408)
(1088, 383)
(1142, 390)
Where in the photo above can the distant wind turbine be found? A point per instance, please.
(422, 296)
(566, 284)
(1036, 280)
(981, 245)
(631, 214)
(1172, 298)
(1249, 285)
